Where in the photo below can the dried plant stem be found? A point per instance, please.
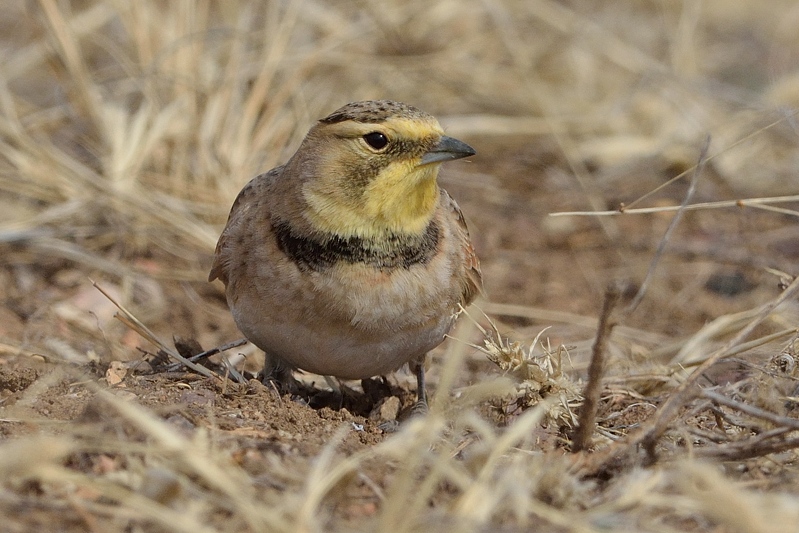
(763, 444)
(209, 353)
(672, 226)
(593, 389)
(746, 202)
(752, 410)
(549, 315)
(136, 325)
(668, 411)
(649, 433)
(726, 149)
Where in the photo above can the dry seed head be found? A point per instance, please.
(539, 376)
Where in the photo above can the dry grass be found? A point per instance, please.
(126, 128)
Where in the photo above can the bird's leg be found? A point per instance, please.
(279, 374)
(420, 407)
(343, 391)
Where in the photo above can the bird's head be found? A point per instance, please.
(369, 169)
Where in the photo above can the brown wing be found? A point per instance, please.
(245, 200)
(472, 282)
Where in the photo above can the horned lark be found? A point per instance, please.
(349, 260)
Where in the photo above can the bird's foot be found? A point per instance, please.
(281, 381)
(420, 408)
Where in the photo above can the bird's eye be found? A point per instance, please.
(376, 140)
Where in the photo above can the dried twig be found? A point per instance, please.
(681, 395)
(726, 149)
(751, 410)
(700, 165)
(230, 370)
(649, 433)
(747, 202)
(136, 325)
(593, 389)
(758, 446)
(208, 353)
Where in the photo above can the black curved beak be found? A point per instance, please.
(447, 149)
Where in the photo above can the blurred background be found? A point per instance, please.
(127, 128)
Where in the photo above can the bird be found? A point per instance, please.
(350, 260)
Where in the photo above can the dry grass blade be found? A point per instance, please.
(693, 169)
(16, 460)
(693, 351)
(732, 506)
(649, 433)
(133, 323)
(746, 202)
(752, 410)
(670, 230)
(549, 315)
(208, 353)
(227, 480)
(746, 449)
(477, 501)
(668, 410)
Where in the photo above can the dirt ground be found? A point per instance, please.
(101, 433)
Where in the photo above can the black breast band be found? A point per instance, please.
(318, 252)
